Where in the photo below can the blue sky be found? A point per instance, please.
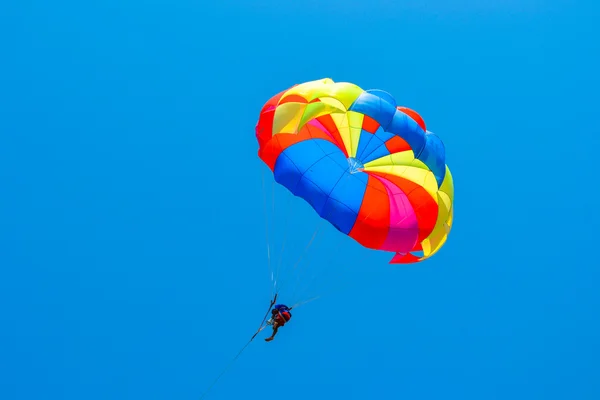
(132, 235)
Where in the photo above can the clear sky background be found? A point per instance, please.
(133, 260)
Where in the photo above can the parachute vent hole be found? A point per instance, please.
(355, 165)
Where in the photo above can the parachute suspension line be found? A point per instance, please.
(285, 232)
(274, 271)
(314, 276)
(343, 178)
(365, 281)
(330, 260)
(262, 175)
(310, 242)
(303, 289)
(304, 302)
(233, 360)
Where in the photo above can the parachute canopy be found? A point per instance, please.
(364, 164)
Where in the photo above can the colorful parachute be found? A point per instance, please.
(364, 164)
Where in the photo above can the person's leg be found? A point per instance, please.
(275, 329)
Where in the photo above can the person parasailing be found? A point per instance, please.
(281, 314)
